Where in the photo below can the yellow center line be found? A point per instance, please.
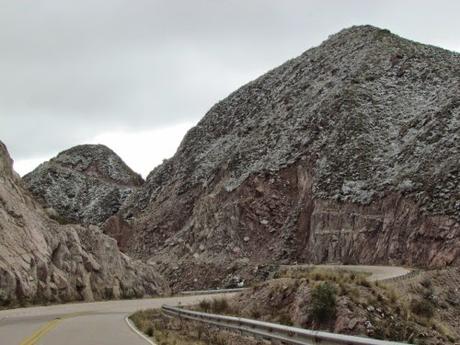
(43, 330)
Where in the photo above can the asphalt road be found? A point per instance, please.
(103, 323)
(375, 272)
(98, 323)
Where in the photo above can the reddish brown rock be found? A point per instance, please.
(341, 154)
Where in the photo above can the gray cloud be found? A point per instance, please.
(72, 69)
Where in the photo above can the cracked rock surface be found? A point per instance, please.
(349, 152)
(85, 184)
(44, 261)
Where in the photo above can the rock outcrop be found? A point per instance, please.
(85, 184)
(44, 261)
(349, 152)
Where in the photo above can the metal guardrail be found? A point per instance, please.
(272, 331)
(206, 292)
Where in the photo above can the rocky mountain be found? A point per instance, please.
(44, 261)
(349, 153)
(85, 184)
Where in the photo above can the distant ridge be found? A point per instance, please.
(84, 184)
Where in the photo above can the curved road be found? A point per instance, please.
(103, 323)
(375, 272)
(95, 323)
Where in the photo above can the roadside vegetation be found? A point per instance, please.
(423, 310)
(347, 302)
(323, 302)
(158, 328)
(218, 305)
(171, 331)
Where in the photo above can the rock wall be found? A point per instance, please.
(274, 218)
(44, 261)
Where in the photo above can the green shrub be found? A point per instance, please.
(255, 314)
(285, 319)
(3, 296)
(220, 306)
(149, 331)
(422, 308)
(216, 306)
(426, 283)
(364, 282)
(323, 302)
(205, 305)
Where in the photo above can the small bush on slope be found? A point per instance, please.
(323, 302)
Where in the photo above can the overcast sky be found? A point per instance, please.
(136, 74)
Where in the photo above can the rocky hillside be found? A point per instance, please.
(44, 261)
(85, 184)
(419, 310)
(349, 152)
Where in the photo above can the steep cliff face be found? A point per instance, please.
(41, 260)
(85, 184)
(349, 152)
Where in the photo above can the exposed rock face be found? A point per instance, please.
(85, 184)
(41, 260)
(349, 152)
